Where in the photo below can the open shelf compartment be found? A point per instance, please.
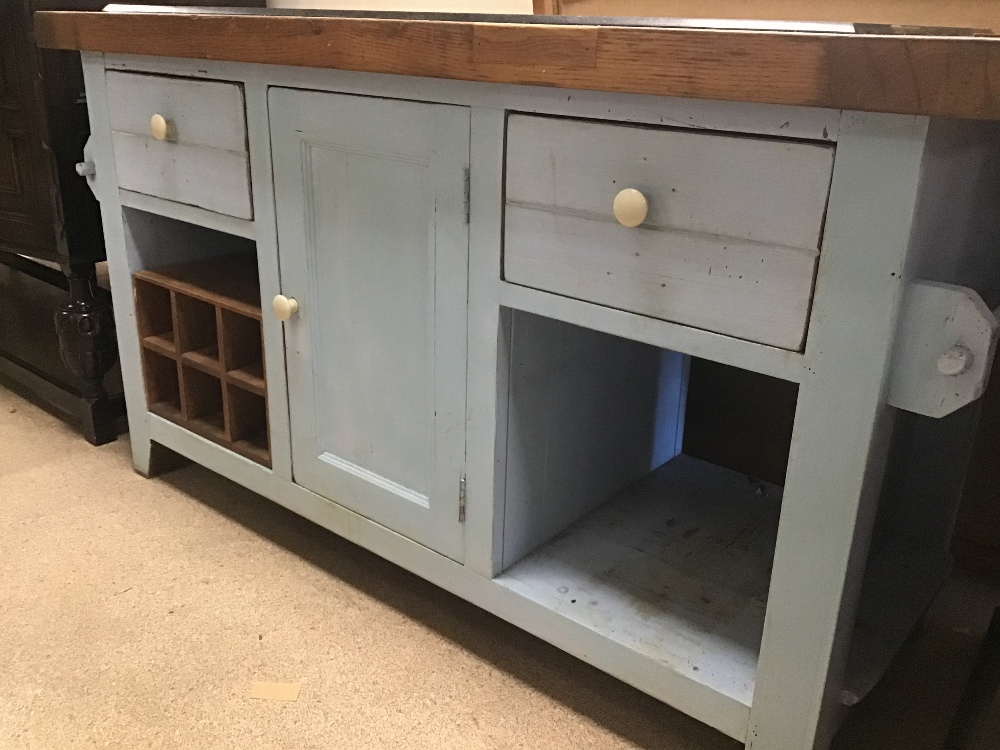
(197, 333)
(243, 351)
(163, 391)
(154, 316)
(610, 524)
(202, 403)
(676, 567)
(201, 321)
(248, 423)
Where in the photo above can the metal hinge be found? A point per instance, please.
(468, 192)
(461, 499)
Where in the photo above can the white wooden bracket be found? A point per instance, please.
(945, 343)
(88, 169)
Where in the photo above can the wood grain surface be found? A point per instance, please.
(953, 76)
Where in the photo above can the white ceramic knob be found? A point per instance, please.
(955, 361)
(161, 127)
(284, 307)
(630, 207)
(86, 169)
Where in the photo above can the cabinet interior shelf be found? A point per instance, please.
(203, 366)
(677, 567)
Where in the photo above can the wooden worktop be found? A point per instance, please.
(908, 74)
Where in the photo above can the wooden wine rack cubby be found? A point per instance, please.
(202, 350)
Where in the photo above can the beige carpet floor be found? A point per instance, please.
(138, 613)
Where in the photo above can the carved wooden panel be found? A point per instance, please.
(26, 208)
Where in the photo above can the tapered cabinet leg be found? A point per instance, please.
(841, 434)
(157, 459)
(123, 260)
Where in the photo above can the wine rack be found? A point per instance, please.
(203, 356)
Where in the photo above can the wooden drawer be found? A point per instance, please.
(203, 162)
(730, 242)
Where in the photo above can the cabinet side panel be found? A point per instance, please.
(588, 414)
(956, 231)
(956, 227)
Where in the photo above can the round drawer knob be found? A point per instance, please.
(955, 361)
(630, 207)
(284, 307)
(161, 127)
(86, 169)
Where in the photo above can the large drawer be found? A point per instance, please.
(730, 242)
(203, 161)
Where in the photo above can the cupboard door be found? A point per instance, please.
(373, 243)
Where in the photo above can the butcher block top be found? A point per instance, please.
(946, 72)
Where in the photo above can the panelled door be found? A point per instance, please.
(373, 243)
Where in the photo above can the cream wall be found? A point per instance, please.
(444, 6)
(970, 13)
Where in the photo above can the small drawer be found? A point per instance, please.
(202, 161)
(729, 244)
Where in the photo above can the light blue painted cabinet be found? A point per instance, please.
(373, 244)
(484, 377)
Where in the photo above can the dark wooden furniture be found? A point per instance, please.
(977, 529)
(57, 333)
(50, 235)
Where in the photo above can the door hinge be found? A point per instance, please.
(461, 499)
(468, 195)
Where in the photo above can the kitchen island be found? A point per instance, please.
(489, 250)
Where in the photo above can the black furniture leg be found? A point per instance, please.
(99, 422)
(86, 329)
